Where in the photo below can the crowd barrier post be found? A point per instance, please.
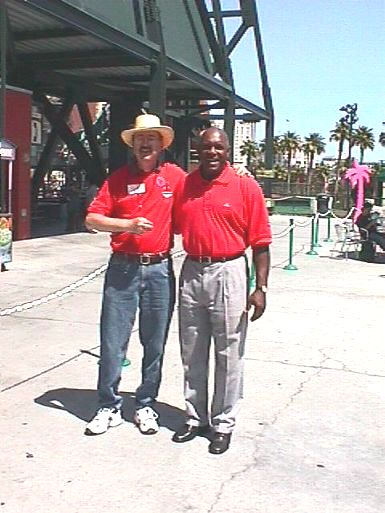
(290, 266)
(329, 218)
(312, 251)
(316, 235)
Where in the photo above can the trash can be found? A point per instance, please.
(323, 203)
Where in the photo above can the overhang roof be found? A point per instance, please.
(57, 44)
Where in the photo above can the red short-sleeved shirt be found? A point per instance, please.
(221, 217)
(130, 193)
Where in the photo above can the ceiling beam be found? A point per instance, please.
(33, 35)
(72, 60)
(69, 15)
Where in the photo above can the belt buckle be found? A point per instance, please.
(145, 259)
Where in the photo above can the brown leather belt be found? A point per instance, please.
(145, 258)
(211, 260)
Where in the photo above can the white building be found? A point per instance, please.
(243, 130)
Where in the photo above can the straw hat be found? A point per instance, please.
(147, 122)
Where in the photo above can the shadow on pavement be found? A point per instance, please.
(82, 403)
(378, 259)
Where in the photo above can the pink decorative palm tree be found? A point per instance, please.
(358, 175)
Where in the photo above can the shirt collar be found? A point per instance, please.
(133, 169)
(222, 179)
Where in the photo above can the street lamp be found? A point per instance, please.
(350, 118)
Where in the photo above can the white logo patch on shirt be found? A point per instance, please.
(167, 194)
(226, 205)
(136, 188)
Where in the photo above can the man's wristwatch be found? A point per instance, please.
(263, 288)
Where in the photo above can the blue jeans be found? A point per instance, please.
(127, 287)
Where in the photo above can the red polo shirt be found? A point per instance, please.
(221, 217)
(130, 193)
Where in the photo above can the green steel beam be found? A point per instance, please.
(3, 92)
(70, 139)
(157, 85)
(89, 130)
(144, 51)
(35, 35)
(49, 148)
(77, 59)
(236, 38)
(207, 83)
(219, 59)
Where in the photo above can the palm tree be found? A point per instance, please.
(340, 134)
(363, 138)
(381, 139)
(314, 145)
(323, 172)
(277, 149)
(250, 150)
(290, 142)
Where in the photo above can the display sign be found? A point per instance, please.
(36, 128)
(7, 150)
(5, 238)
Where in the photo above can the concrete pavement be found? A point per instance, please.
(310, 436)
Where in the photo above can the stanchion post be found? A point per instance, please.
(312, 251)
(252, 280)
(328, 238)
(290, 266)
(316, 236)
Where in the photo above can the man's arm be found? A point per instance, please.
(102, 223)
(257, 298)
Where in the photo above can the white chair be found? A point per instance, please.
(348, 236)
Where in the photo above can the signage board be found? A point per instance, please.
(5, 238)
(36, 128)
(7, 150)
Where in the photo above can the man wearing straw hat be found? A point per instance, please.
(135, 205)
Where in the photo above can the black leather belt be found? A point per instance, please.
(145, 258)
(211, 260)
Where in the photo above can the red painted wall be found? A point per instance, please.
(18, 130)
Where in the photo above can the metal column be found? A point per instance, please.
(3, 92)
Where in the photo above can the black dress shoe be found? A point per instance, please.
(220, 443)
(187, 433)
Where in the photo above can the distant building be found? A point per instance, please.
(243, 131)
(329, 161)
(299, 159)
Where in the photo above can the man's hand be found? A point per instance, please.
(102, 223)
(241, 170)
(257, 300)
(139, 225)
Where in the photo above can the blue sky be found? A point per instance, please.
(320, 55)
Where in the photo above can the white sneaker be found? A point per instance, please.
(104, 419)
(145, 419)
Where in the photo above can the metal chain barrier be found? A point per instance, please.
(284, 232)
(62, 292)
(86, 279)
(347, 215)
(54, 295)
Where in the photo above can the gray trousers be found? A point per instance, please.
(212, 306)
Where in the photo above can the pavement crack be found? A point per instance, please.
(297, 392)
(321, 367)
(234, 476)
